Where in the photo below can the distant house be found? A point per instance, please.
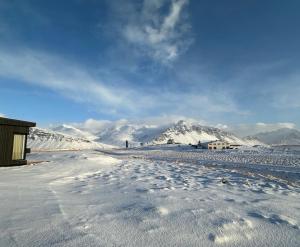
(170, 141)
(199, 145)
(13, 141)
(215, 145)
(235, 146)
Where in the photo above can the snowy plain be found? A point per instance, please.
(154, 196)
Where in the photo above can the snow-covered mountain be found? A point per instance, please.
(74, 132)
(284, 136)
(134, 133)
(48, 140)
(185, 132)
(252, 141)
(116, 133)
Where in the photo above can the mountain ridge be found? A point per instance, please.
(282, 136)
(185, 132)
(48, 140)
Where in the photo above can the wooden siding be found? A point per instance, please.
(6, 144)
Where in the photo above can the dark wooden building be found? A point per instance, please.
(13, 141)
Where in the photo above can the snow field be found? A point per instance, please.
(90, 199)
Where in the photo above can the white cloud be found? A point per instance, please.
(2, 115)
(274, 126)
(221, 126)
(167, 119)
(278, 90)
(95, 126)
(53, 72)
(162, 36)
(162, 121)
(106, 95)
(203, 102)
(252, 129)
(285, 92)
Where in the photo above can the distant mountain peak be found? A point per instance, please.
(191, 132)
(283, 136)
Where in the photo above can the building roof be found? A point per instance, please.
(215, 141)
(206, 142)
(15, 122)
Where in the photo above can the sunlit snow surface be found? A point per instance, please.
(152, 197)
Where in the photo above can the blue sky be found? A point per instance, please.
(230, 62)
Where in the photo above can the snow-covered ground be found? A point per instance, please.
(156, 196)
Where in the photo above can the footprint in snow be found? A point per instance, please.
(229, 230)
(275, 219)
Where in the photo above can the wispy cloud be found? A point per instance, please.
(252, 129)
(274, 84)
(158, 29)
(75, 82)
(167, 119)
(53, 72)
(163, 121)
(285, 92)
(95, 126)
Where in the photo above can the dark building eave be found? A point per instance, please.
(15, 122)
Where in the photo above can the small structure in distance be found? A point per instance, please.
(171, 141)
(215, 145)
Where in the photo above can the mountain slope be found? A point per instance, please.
(181, 132)
(74, 132)
(135, 134)
(284, 136)
(48, 140)
(184, 132)
(252, 141)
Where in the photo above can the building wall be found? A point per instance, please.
(217, 145)
(6, 144)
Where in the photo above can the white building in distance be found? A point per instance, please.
(215, 145)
